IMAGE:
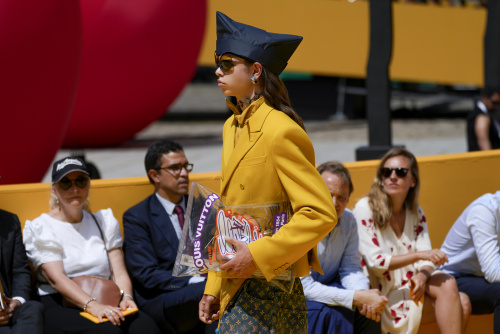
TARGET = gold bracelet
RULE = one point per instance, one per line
(87, 302)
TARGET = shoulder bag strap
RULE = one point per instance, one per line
(104, 241)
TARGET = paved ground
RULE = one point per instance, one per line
(202, 140)
(331, 139)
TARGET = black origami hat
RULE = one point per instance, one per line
(270, 49)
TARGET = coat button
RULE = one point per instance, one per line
(242, 187)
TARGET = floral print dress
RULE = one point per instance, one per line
(377, 246)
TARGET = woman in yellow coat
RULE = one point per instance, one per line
(267, 158)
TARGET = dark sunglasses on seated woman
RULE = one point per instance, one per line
(224, 62)
(400, 172)
(81, 182)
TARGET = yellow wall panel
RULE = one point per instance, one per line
(431, 43)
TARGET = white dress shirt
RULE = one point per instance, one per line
(472, 244)
(169, 208)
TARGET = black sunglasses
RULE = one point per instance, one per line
(81, 182)
(400, 172)
(224, 62)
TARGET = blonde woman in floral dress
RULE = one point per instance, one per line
(397, 253)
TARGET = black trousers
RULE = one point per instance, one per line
(27, 318)
(59, 320)
(176, 312)
(484, 297)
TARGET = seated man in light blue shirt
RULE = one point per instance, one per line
(472, 247)
(340, 300)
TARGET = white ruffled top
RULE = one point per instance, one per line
(79, 246)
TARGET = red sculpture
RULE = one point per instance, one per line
(88, 74)
(137, 58)
(39, 66)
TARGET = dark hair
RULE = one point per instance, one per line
(94, 173)
(276, 94)
(274, 91)
(155, 152)
(379, 201)
(338, 169)
(489, 91)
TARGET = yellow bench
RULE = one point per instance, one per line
(449, 184)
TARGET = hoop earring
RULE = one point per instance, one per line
(253, 80)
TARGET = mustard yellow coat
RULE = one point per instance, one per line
(274, 161)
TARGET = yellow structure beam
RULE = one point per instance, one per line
(442, 45)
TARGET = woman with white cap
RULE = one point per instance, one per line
(267, 157)
(70, 241)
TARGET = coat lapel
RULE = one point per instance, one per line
(247, 140)
(162, 221)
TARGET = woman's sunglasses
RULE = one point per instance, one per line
(224, 62)
(81, 182)
(400, 172)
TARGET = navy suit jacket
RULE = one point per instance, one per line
(15, 272)
(150, 247)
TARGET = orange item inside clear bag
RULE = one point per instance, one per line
(241, 227)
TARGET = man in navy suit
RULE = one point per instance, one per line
(152, 230)
(20, 314)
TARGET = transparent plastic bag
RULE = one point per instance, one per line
(208, 221)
